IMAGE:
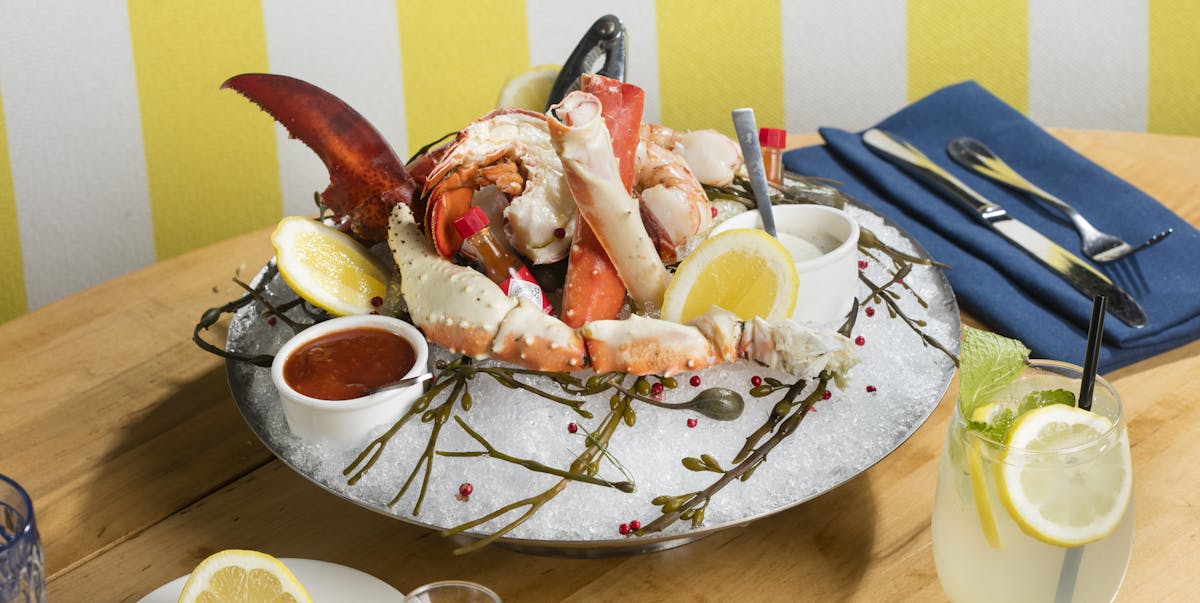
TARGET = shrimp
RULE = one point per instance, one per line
(713, 157)
(511, 149)
(673, 203)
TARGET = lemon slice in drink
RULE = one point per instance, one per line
(1067, 498)
(328, 268)
(979, 490)
(744, 271)
(236, 576)
(529, 90)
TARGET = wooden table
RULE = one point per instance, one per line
(139, 464)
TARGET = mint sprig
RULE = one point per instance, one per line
(996, 429)
(1045, 397)
(988, 363)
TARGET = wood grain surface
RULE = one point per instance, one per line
(126, 436)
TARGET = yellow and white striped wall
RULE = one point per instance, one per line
(117, 149)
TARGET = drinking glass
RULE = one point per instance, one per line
(21, 576)
(452, 591)
(981, 551)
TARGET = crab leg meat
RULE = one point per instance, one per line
(583, 144)
(641, 346)
(593, 289)
(531, 338)
(455, 306)
(465, 312)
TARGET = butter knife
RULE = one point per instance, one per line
(1075, 271)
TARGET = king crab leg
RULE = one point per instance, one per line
(582, 142)
(593, 289)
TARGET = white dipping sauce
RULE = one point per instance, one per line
(800, 248)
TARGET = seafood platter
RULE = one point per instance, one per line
(567, 405)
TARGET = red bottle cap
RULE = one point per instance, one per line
(772, 137)
(471, 222)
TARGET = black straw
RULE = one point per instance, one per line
(1092, 361)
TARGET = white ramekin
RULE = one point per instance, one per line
(346, 422)
(828, 282)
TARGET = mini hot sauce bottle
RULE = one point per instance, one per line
(773, 141)
(498, 263)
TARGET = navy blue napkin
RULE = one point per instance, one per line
(993, 279)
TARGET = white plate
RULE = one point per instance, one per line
(324, 581)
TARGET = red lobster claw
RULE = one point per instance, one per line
(365, 177)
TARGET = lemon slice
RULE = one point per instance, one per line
(529, 90)
(745, 271)
(979, 489)
(328, 268)
(236, 576)
(1070, 498)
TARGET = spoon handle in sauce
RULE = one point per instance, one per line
(407, 381)
(747, 133)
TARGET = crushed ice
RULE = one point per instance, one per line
(844, 436)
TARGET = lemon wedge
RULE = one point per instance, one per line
(745, 271)
(237, 576)
(328, 268)
(530, 89)
(1067, 498)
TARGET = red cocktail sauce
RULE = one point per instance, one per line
(344, 365)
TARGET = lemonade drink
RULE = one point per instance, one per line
(1051, 508)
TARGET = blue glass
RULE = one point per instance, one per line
(22, 578)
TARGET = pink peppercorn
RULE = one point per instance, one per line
(860, 340)
(466, 489)
(714, 212)
(862, 264)
(870, 311)
(692, 422)
(826, 395)
(756, 381)
(623, 529)
(572, 428)
(695, 380)
(870, 389)
(635, 525)
(271, 321)
(376, 301)
(656, 389)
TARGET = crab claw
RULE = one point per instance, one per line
(365, 177)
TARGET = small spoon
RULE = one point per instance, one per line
(747, 133)
(403, 383)
(715, 403)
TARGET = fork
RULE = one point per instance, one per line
(1096, 245)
